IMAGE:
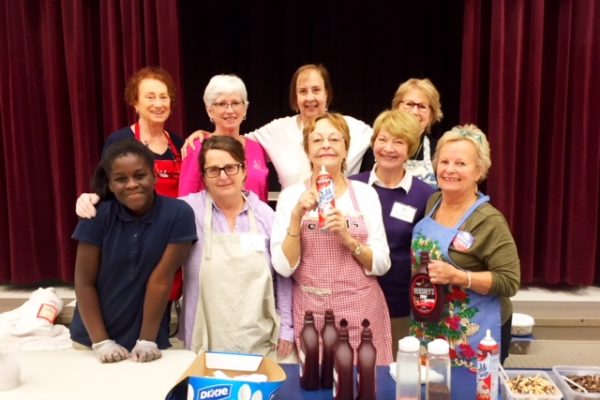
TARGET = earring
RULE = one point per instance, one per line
(244, 118)
(212, 121)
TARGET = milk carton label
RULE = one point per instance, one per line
(218, 392)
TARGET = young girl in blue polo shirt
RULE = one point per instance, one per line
(127, 257)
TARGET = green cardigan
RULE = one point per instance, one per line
(493, 250)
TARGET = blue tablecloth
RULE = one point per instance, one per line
(463, 386)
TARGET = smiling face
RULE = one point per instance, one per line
(457, 168)
(153, 102)
(132, 182)
(415, 102)
(311, 96)
(326, 146)
(390, 151)
(223, 185)
(227, 111)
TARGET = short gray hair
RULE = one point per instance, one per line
(224, 84)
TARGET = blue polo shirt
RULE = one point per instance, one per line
(131, 248)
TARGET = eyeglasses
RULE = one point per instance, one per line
(223, 105)
(318, 139)
(229, 169)
(409, 105)
(467, 134)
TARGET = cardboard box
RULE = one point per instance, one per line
(198, 382)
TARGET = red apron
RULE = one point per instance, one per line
(167, 184)
(329, 277)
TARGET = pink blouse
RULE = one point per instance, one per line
(190, 178)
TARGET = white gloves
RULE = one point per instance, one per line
(110, 351)
(145, 351)
(85, 206)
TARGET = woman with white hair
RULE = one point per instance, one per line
(471, 249)
(226, 102)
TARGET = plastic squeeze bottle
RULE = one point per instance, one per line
(328, 338)
(427, 300)
(309, 353)
(487, 368)
(343, 365)
(408, 369)
(438, 364)
(366, 362)
(326, 195)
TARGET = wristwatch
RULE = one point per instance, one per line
(358, 249)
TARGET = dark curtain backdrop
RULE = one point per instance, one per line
(368, 48)
(63, 68)
(528, 78)
(531, 79)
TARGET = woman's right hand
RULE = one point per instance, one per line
(85, 207)
(189, 142)
(308, 201)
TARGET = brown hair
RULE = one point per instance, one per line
(224, 143)
(133, 84)
(320, 68)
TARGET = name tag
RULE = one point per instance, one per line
(253, 242)
(403, 212)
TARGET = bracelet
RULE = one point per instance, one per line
(468, 280)
(291, 234)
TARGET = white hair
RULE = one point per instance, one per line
(222, 85)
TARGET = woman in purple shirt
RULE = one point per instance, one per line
(403, 197)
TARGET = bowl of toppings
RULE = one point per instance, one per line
(529, 385)
(578, 383)
(522, 324)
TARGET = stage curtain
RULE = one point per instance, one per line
(531, 81)
(63, 69)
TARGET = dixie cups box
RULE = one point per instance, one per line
(199, 382)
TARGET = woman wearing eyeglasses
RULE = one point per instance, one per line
(226, 102)
(229, 302)
(311, 93)
(420, 98)
(471, 249)
(336, 266)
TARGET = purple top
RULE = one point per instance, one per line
(402, 207)
(264, 219)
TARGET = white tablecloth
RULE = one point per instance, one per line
(78, 375)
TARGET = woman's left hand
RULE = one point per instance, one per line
(337, 224)
(441, 273)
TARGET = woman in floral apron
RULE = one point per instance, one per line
(471, 248)
(151, 92)
(334, 267)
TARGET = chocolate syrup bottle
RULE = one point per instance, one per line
(427, 300)
(309, 353)
(366, 362)
(343, 365)
(328, 337)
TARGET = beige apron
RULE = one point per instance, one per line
(236, 310)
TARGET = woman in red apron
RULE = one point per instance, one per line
(151, 92)
(471, 250)
(334, 267)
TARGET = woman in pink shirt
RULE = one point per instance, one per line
(226, 101)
